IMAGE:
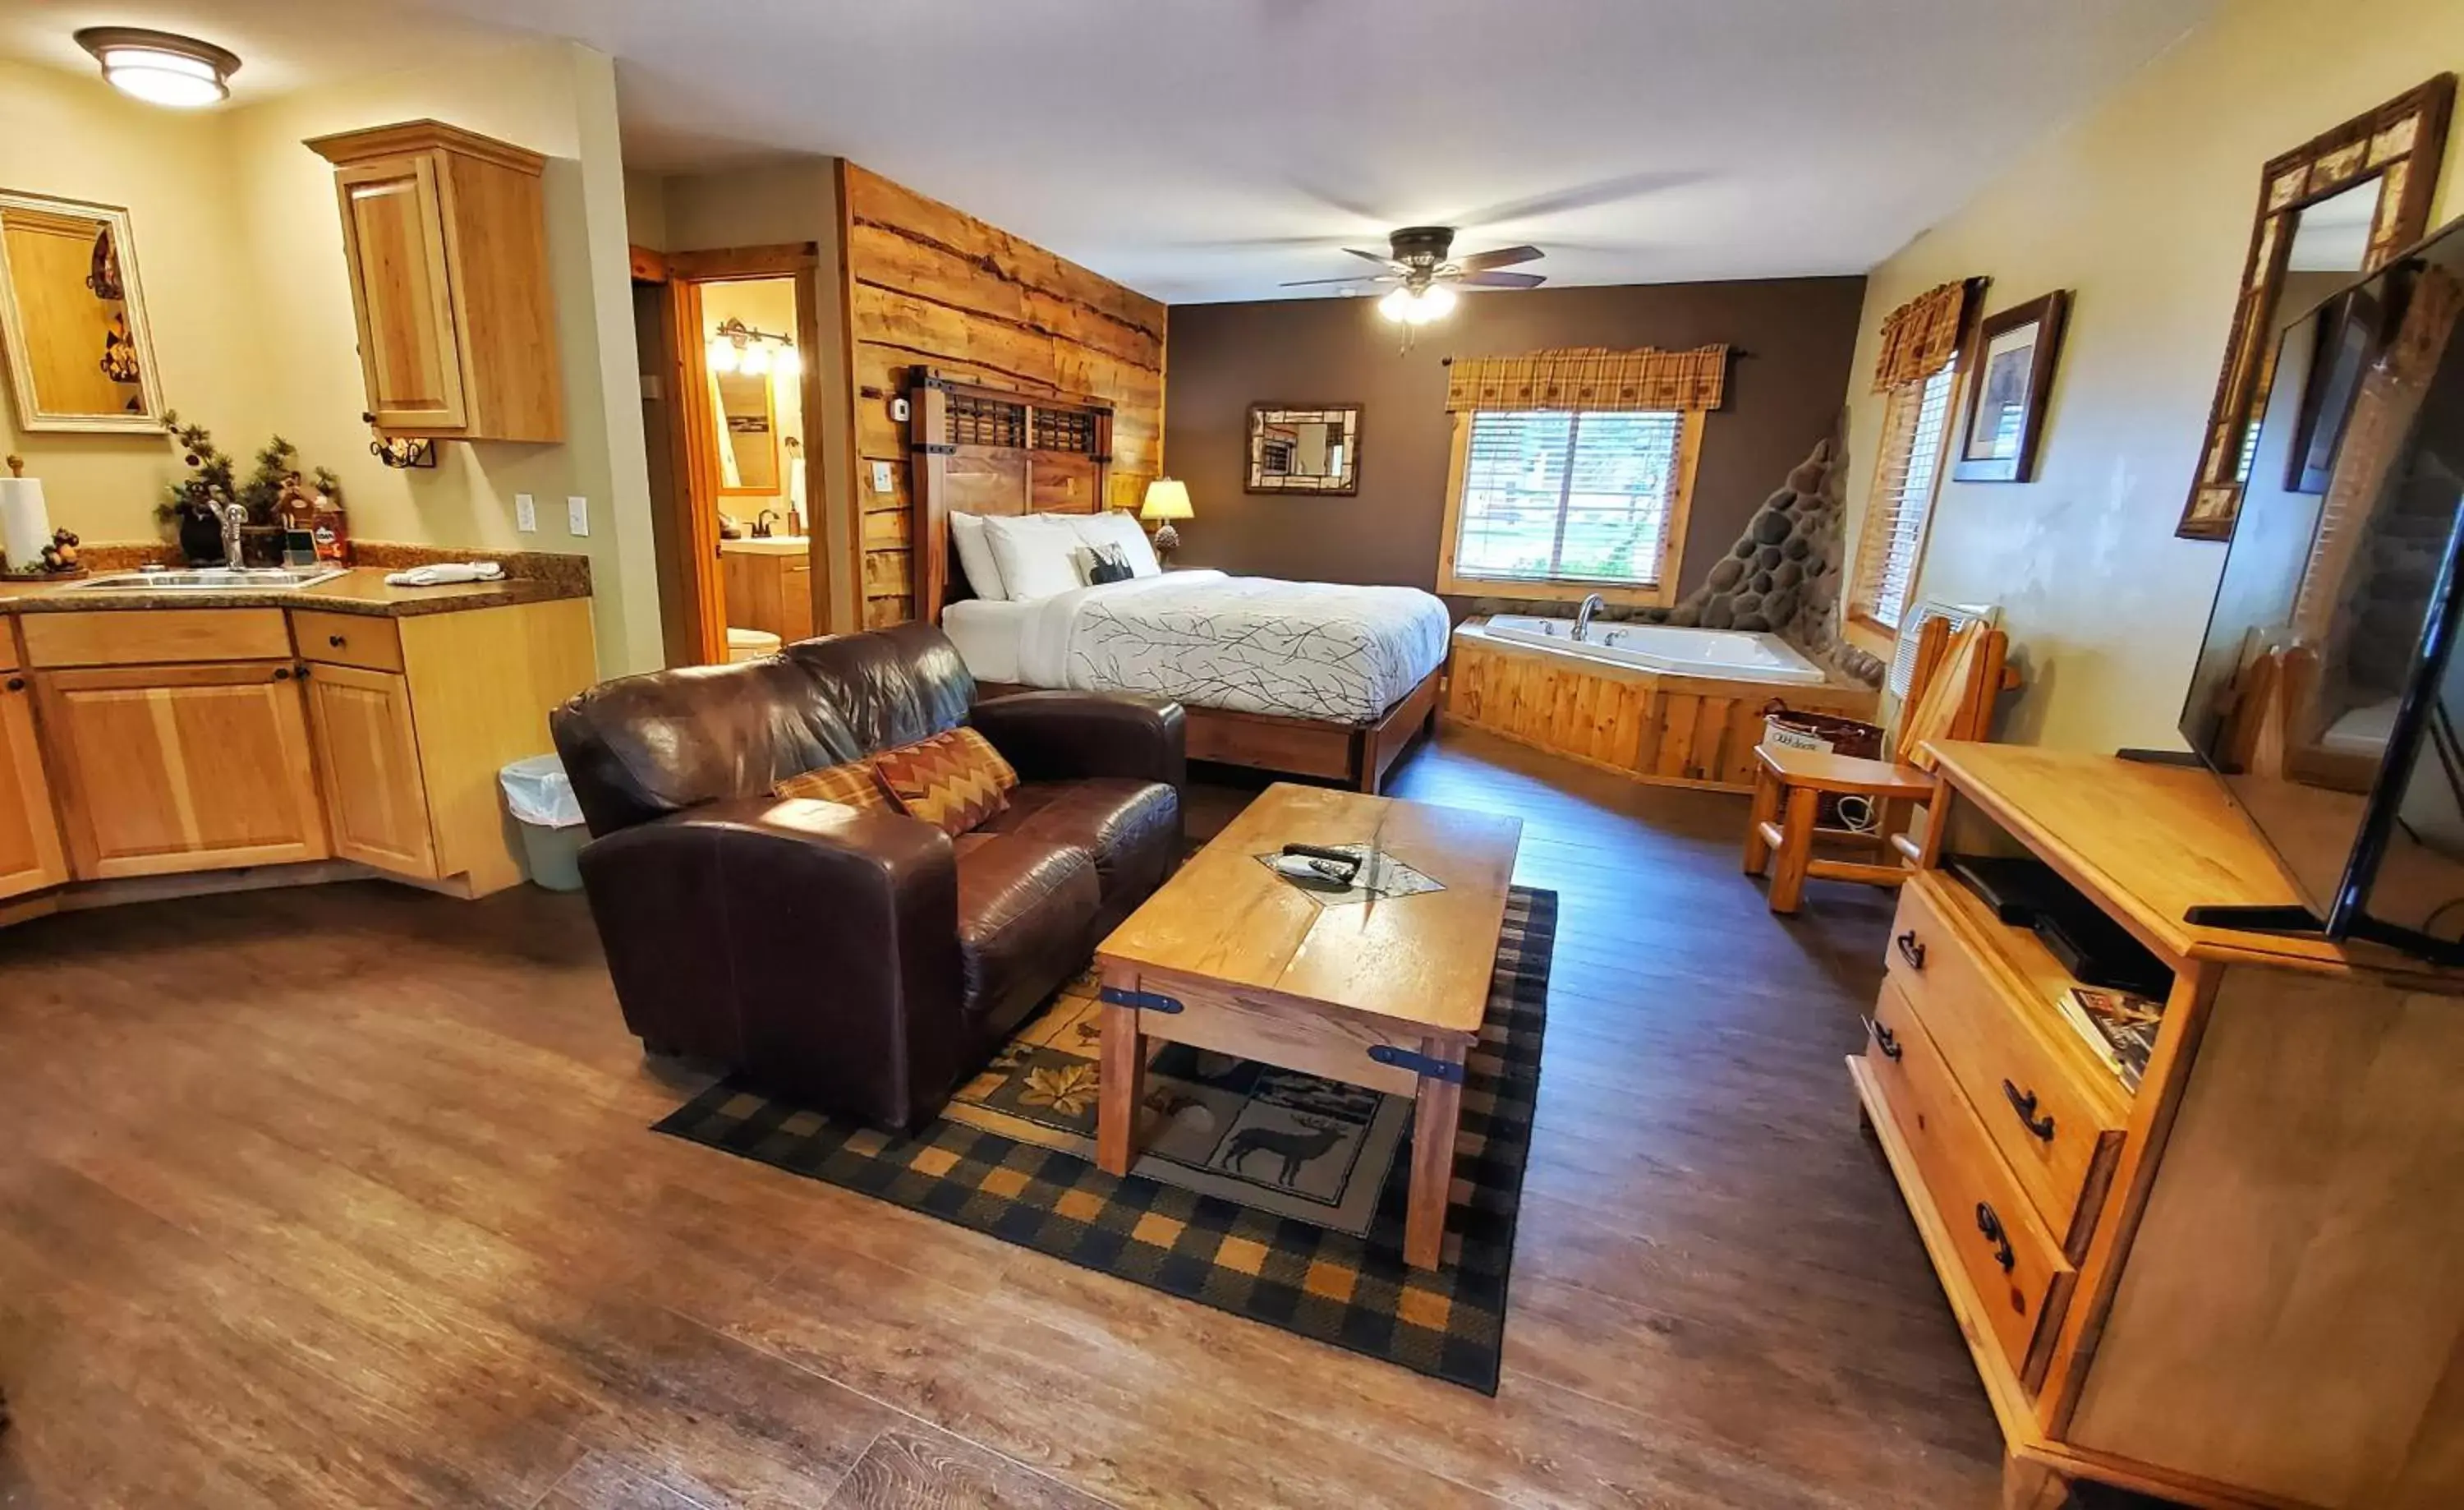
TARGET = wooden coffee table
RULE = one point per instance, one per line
(1387, 992)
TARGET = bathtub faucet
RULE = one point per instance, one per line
(1583, 615)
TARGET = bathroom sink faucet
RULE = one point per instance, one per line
(1583, 615)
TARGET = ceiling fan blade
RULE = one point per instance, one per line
(1502, 256)
(1499, 281)
(1364, 278)
(1379, 258)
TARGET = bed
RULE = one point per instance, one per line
(1306, 678)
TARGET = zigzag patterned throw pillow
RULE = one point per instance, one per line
(953, 781)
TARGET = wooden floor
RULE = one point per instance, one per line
(344, 1196)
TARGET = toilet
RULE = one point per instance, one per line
(751, 644)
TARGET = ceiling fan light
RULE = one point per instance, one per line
(1436, 302)
(1397, 306)
(161, 67)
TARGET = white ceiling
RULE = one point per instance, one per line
(1211, 149)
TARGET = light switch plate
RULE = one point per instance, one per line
(526, 513)
(881, 476)
(577, 516)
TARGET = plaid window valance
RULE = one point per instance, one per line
(1921, 335)
(1589, 379)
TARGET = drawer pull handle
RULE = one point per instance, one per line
(1991, 1225)
(283, 674)
(335, 640)
(1885, 1039)
(1910, 950)
(2024, 1103)
(16, 684)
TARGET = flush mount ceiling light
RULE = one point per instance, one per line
(160, 68)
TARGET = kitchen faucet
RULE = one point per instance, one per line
(1583, 615)
(230, 514)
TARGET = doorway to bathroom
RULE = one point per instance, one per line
(732, 399)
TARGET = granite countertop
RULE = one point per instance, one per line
(363, 589)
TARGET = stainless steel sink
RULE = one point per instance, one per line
(211, 578)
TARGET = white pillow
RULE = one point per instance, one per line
(1034, 554)
(1118, 529)
(975, 557)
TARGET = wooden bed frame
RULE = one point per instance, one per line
(1062, 464)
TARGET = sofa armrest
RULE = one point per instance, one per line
(1056, 736)
(813, 940)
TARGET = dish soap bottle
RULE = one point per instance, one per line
(333, 530)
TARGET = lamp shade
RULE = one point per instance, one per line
(1167, 497)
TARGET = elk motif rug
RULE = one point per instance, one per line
(1278, 1140)
(1007, 1161)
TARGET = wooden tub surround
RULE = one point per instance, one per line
(161, 745)
(1669, 730)
(2241, 1284)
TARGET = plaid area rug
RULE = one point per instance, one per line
(1214, 1123)
(1356, 1293)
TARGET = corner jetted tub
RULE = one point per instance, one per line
(1728, 654)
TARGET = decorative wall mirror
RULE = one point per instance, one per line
(2336, 207)
(1305, 450)
(80, 357)
(748, 434)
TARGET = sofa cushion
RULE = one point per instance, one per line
(855, 783)
(1130, 829)
(953, 781)
(1027, 912)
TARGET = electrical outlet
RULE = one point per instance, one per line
(881, 476)
(526, 513)
(576, 517)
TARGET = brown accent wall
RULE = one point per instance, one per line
(928, 284)
(1783, 397)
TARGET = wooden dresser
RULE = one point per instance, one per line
(2242, 1283)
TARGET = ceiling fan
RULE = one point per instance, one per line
(1427, 279)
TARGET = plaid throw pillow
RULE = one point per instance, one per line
(953, 781)
(853, 784)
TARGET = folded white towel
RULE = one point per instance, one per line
(446, 572)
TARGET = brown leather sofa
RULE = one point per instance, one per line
(861, 961)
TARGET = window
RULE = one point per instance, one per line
(1554, 503)
(1914, 424)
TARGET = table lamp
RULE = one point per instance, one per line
(1167, 500)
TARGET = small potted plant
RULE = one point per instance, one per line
(213, 476)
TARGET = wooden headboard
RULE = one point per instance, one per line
(978, 450)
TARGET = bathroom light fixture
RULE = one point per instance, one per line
(160, 68)
(736, 347)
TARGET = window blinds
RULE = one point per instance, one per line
(1914, 421)
(1553, 496)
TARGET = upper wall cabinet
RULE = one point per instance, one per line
(446, 234)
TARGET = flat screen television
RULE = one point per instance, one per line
(2327, 693)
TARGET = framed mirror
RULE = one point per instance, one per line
(1305, 448)
(748, 434)
(80, 357)
(2334, 208)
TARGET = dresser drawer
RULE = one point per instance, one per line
(2058, 1122)
(2009, 1259)
(346, 639)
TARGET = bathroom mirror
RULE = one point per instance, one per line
(1313, 449)
(2334, 208)
(80, 357)
(748, 434)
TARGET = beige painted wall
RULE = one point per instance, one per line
(2143, 209)
(240, 248)
(75, 137)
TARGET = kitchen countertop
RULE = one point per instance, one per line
(363, 589)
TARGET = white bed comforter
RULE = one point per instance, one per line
(1308, 650)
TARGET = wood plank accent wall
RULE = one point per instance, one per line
(1673, 731)
(931, 285)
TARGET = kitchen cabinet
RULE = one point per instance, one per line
(367, 765)
(445, 238)
(30, 858)
(167, 768)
